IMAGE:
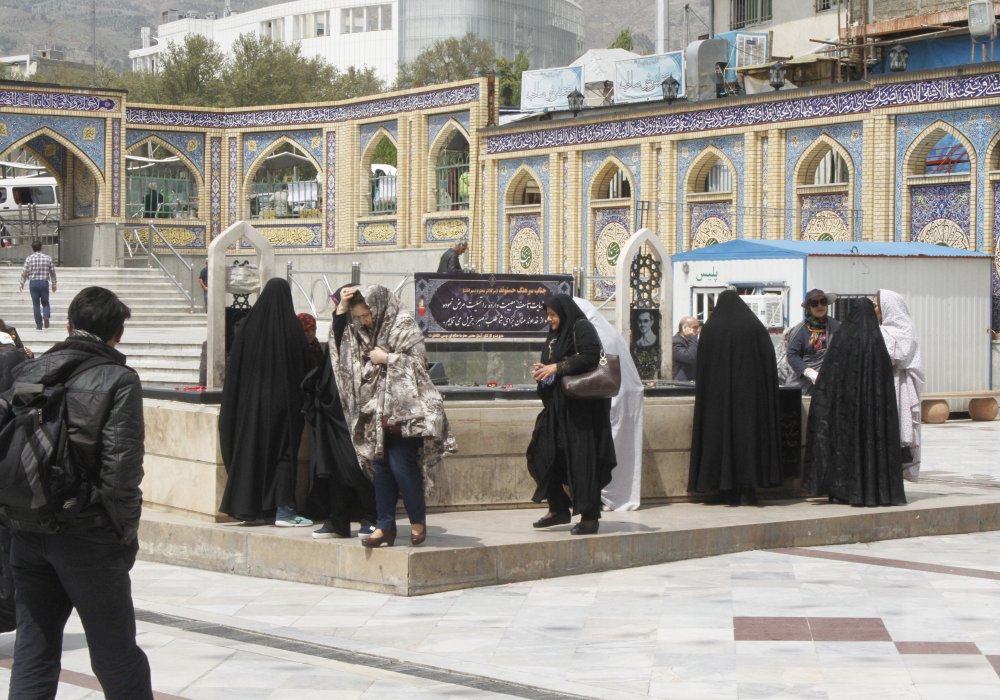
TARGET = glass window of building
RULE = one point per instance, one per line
(719, 179)
(832, 170)
(159, 184)
(284, 185)
(946, 157)
(386, 13)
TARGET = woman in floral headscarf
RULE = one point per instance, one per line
(900, 336)
(393, 411)
(807, 346)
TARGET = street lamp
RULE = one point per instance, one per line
(670, 87)
(777, 74)
(899, 55)
(575, 100)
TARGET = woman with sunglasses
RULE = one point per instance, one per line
(807, 346)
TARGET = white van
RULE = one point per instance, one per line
(18, 194)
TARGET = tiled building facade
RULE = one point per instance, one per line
(850, 162)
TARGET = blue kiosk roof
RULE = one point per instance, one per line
(756, 249)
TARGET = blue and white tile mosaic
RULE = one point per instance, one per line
(612, 227)
(234, 179)
(116, 167)
(215, 195)
(57, 100)
(764, 183)
(996, 257)
(368, 132)
(849, 136)
(84, 133)
(744, 115)
(825, 217)
(527, 251)
(979, 126)
(941, 214)
(85, 193)
(593, 163)
(189, 144)
(51, 152)
(539, 168)
(257, 144)
(331, 188)
(688, 152)
(302, 115)
(711, 223)
(436, 122)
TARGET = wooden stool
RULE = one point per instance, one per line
(983, 409)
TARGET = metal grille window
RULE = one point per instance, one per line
(832, 170)
(824, 5)
(719, 179)
(453, 180)
(743, 13)
(383, 189)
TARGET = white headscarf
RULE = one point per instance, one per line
(623, 493)
(901, 341)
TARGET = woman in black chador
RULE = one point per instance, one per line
(572, 443)
(260, 421)
(852, 445)
(735, 444)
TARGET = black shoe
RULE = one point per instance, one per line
(46, 322)
(554, 519)
(586, 527)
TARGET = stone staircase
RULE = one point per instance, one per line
(162, 340)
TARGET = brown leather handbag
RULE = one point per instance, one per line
(603, 382)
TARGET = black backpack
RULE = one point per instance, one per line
(39, 486)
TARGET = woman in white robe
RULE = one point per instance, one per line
(623, 493)
(901, 341)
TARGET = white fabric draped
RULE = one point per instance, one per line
(901, 341)
(624, 491)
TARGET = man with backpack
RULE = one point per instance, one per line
(72, 502)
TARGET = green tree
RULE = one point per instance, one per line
(624, 40)
(448, 60)
(263, 71)
(509, 78)
(356, 82)
(190, 73)
(384, 153)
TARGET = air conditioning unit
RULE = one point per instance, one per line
(769, 308)
(982, 21)
(751, 50)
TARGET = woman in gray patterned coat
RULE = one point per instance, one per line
(393, 410)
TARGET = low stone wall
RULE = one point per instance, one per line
(185, 474)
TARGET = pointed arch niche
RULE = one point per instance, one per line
(283, 183)
(939, 201)
(524, 236)
(611, 215)
(710, 200)
(79, 180)
(993, 216)
(449, 175)
(162, 183)
(824, 178)
(377, 192)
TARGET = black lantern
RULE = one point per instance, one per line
(670, 87)
(575, 100)
(777, 74)
(899, 56)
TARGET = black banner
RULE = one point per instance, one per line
(485, 307)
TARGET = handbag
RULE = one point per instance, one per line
(602, 382)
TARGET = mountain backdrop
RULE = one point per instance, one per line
(31, 25)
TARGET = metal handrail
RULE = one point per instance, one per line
(151, 255)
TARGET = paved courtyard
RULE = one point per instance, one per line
(915, 618)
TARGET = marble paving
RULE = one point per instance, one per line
(906, 618)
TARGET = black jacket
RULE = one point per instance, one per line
(685, 358)
(106, 430)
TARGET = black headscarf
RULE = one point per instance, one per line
(260, 421)
(735, 444)
(572, 438)
(852, 441)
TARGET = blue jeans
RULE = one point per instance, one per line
(397, 472)
(88, 571)
(39, 300)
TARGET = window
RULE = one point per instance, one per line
(719, 179)
(372, 23)
(158, 184)
(947, 156)
(743, 13)
(321, 19)
(3, 195)
(452, 173)
(386, 12)
(34, 195)
(284, 185)
(382, 180)
(832, 170)
(824, 5)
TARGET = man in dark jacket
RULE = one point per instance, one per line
(86, 564)
(685, 353)
(451, 262)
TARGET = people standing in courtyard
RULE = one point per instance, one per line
(38, 272)
(85, 564)
(625, 490)
(572, 451)
(900, 336)
(685, 350)
(735, 443)
(393, 411)
(260, 421)
(451, 259)
(807, 347)
(853, 453)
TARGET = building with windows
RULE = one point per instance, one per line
(794, 23)
(382, 34)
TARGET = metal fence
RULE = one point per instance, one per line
(18, 229)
